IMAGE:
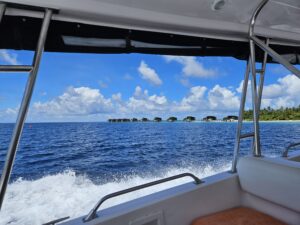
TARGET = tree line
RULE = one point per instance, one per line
(275, 114)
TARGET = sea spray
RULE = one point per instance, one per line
(31, 202)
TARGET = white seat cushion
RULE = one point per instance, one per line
(276, 180)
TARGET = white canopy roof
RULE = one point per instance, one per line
(218, 19)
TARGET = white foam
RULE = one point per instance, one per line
(66, 194)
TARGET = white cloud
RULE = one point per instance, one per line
(217, 99)
(272, 91)
(191, 66)
(284, 93)
(149, 74)
(194, 101)
(117, 97)
(222, 98)
(8, 57)
(84, 102)
(75, 101)
(9, 114)
(142, 102)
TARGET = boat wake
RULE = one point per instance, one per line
(31, 202)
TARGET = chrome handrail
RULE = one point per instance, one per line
(93, 213)
(13, 146)
(53, 222)
(285, 152)
(265, 47)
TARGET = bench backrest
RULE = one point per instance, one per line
(276, 180)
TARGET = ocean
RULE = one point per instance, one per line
(63, 169)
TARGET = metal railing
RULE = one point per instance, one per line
(286, 151)
(53, 222)
(265, 47)
(93, 213)
(33, 69)
(256, 96)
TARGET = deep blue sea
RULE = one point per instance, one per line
(62, 169)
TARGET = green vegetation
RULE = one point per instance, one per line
(275, 114)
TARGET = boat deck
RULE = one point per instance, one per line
(238, 216)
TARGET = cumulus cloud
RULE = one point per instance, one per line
(191, 66)
(8, 57)
(223, 98)
(149, 74)
(284, 93)
(142, 102)
(75, 101)
(81, 102)
(9, 114)
(194, 101)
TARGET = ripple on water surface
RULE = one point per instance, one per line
(61, 167)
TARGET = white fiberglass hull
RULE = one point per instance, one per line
(253, 187)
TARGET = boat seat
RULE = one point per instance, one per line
(237, 216)
(276, 180)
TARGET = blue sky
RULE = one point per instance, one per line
(91, 87)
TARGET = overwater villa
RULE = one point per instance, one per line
(157, 119)
(209, 118)
(119, 120)
(145, 119)
(172, 119)
(189, 118)
(134, 120)
(230, 118)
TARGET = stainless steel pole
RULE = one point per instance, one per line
(264, 46)
(15, 68)
(262, 76)
(257, 151)
(240, 120)
(256, 143)
(11, 153)
(276, 56)
(2, 10)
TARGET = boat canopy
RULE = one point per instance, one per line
(189, 27)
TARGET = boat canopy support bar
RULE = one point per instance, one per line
(240, 119)
(264, 46)
(256, 92)
(93, 213)
(15, 68)
(11, 153)
(276, 56)
(2, 10)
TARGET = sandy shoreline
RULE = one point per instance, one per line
(250, 121)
